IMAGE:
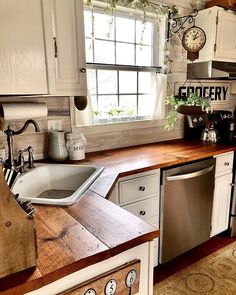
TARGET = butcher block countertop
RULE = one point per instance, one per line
(94, 229)
(131, 160)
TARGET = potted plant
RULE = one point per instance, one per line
(193, 104)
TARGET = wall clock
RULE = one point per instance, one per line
(193, 41)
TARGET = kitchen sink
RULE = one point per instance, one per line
(55, 184)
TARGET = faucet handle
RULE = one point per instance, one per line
(30, 157)
(21, 161)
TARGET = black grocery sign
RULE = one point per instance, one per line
(218, 92)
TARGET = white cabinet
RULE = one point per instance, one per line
(222, 193)
(221, 204)
(140, 195)
(64, 35)
(142, 252)
(220, 28)
(42, 47)
(22, 54)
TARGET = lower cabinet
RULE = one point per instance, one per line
(140, 195)
(221, 204)
(130, 272)
(222, 193)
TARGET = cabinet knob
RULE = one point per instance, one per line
(142, 212)
(142, 188)
(226, 163)
(83, 70)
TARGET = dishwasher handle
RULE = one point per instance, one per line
(190, 175)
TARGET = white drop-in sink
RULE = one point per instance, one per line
(55, 184)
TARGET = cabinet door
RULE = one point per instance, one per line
(64, 30)
(221, 204)
(22, 55)
(226, 35)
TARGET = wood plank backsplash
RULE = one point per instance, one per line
(58, 108)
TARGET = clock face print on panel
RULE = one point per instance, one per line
(194, 39)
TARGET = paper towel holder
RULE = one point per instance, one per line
(80, 102)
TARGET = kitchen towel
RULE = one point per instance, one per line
(21, 110)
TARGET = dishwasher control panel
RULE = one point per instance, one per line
(121, 280)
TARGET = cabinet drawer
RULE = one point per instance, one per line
(146, 209)
(135, 189)
(224, 163)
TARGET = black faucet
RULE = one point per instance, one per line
(10, 163)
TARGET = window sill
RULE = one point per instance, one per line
(119, 126)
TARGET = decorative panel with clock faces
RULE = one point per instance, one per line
(121, 280)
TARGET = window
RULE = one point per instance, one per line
(120, 66)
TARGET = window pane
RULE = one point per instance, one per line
(127, 82)
(107, 102)
(144, 55)
(107, 82)
(94, 102)
(125, 29)
(88, 23)
(129, 105)
(89, 50)
(104, 52)
(145, 105)
(124, 54)
(145, 82)
(91, 75)
(103, 26)
(144, 33)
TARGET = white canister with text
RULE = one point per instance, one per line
(75, 144)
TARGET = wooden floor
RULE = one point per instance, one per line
(161, 272)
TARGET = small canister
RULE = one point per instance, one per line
(75, 144)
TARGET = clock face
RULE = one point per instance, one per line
(90, 292)
(194, 39)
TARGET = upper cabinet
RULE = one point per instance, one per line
(22, 54)
(220, 28)
(42, 47)
(64, 36)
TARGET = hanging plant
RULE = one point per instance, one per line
(192, 104)
(141, 5)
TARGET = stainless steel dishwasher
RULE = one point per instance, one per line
(186, 207)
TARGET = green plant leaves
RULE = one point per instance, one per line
(193, 99)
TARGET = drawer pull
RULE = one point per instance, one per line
(142, 188)
(226, 163)
(142, 212)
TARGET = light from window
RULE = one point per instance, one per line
(118, 49)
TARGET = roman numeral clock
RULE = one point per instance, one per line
(193, 40)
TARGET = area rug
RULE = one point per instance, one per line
(214, 274)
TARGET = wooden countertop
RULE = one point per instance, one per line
(94, 229)
(131, 160)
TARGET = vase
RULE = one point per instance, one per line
(57, 146)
